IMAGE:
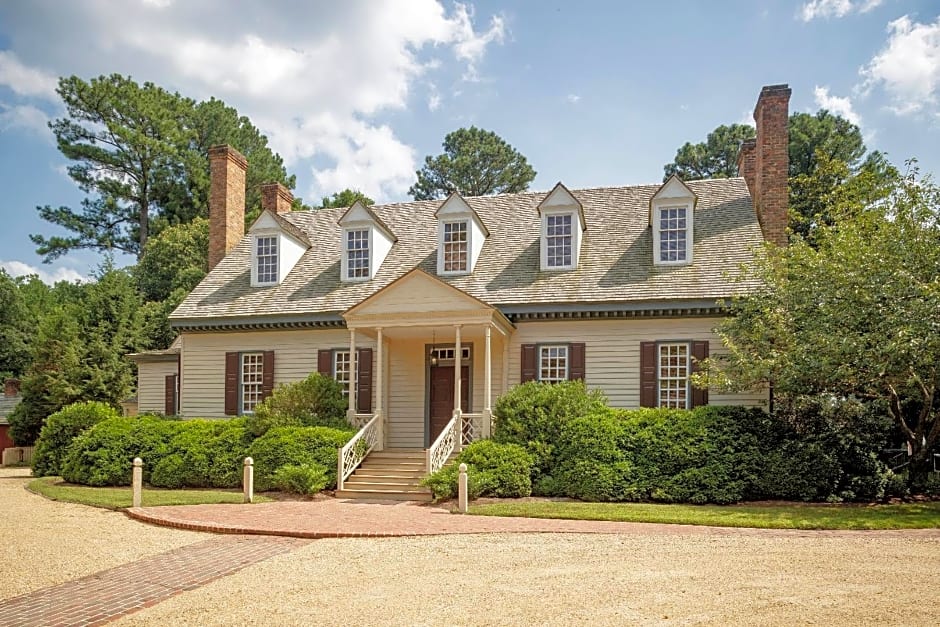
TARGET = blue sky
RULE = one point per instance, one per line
(355, 94)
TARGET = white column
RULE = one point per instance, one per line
(458, 351)
(505, 364)
(353, 364)
(487, 372)
(380, 363)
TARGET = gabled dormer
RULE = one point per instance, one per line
(562, 230)
(672, 209)
(365, 243)
(276, 247)
(460, 236)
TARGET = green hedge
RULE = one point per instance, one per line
(61, 428)
(493, 469)
(317, 401)
(296, 446)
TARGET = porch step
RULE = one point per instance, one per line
(393, 475)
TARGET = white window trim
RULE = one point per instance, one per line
(575, 240)
(567, 373)
(440, 247)
(336, 353)
(688, 372)
(241, 381)
(689, 231)
(344, 269)
(254, 258)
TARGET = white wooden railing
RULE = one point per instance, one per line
(350, 456)
(471, 428)
(445, 444)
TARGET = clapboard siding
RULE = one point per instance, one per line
(295, 357)
(612, 352)
(151, 385)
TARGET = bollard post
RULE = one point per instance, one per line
(248, 480)
(462, 489)
(137, 480)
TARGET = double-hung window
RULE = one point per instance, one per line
(673, 374)
(553, 363)
(673, 234)
(357, 254)
(251, 378)
(558, 240)
(266, 259)
(341, 368)
(456, 246)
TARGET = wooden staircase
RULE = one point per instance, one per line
(391, 475)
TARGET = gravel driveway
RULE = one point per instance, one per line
(497, 579)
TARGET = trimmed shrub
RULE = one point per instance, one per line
(493, 469)
(306, 479)
(296, 446)
(317, 401)
(61, 428)
(532, 415)
(210, 453)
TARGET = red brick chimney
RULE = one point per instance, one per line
(767, 181)
(11, 387)
(276, 198)
(227, 168)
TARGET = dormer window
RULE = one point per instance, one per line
(456, 246)
(558, 241)
(563, 228)
(357, 254)
(671, 217)
(266, 259)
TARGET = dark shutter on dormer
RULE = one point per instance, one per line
(325, 363)
(231, 384)
(267, 374)
(699, 352)
(529, 370)
(576, 361)
(648, 374)
(364, 385)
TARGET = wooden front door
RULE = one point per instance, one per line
(441, 397)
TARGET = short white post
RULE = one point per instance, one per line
(137, 481)
(248, 480)
(462, 489)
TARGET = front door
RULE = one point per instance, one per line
(441, 401)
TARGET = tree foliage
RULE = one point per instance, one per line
(14, 328)
(716, 157)
(475, 162)
(857, 314)
(345, 198)
(141, 154)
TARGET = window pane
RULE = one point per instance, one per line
(251, 381)
(266, 255)
(455, 246)
(558, 241)
(672, 234)
(341, 370)
(553, 363)
(357, 254)
(674, 375)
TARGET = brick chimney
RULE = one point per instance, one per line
(227, 168)
(11, 387)
(765, 167)
(276, 198)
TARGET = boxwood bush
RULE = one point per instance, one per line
(61, 428)
(317, 401)
(296, 446)
(493, 469)
(204, 453)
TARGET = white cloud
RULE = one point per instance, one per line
(25, 117)
(434, 98)
(835, 104)
(316, 84)
(25, 80)
(573, 98)
(835, 8)
(53, 275)
(908, 68)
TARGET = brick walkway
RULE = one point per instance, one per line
(109, 594)
(340, 518)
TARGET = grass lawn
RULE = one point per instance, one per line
(767, 516)
(114, 498)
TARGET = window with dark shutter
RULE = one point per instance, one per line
(529, 363)
(231, 384)
(267, 374)
(699, 352)
(325, 362)
(576, 361)
(648, 374)
(364, 381)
